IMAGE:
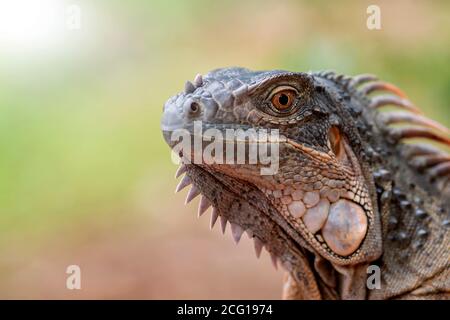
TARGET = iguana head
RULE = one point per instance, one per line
(286, 157)
(320, 191)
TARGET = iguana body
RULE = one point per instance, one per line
(349, 191)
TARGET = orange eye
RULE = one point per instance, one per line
(283, 100)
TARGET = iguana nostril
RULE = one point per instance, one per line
(194, 108)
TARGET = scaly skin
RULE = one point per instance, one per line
(349, 191)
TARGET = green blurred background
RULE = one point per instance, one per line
(85, 177)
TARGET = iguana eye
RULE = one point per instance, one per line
(283, 98)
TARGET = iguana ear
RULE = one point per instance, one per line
(341, 148)
(335, 143)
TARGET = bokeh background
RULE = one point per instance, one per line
(85, 177)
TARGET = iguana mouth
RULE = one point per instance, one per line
(212, 185)
(335, 222)
(239, 224)
(326, 230)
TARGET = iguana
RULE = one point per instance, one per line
(358, 184)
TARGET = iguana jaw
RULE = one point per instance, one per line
(305, 215)
(246, 209)
(227, 189)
